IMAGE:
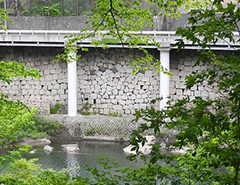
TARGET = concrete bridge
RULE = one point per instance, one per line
(56, 39)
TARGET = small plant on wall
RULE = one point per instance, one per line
(85, 109)
(114, 114)
(57, 108)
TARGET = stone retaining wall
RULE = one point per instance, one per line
(181, 65)
(52, 87)
(105, 79)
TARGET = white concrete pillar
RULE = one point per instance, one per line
(164, 78)
(72, 85)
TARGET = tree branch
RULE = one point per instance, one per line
(115, 23)
(95, 30)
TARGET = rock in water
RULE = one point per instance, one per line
(145, 149)
(45, 141)
(48, 148)
(70, 147)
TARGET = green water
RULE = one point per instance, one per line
(59, 159)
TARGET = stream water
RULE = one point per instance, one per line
(59, 159)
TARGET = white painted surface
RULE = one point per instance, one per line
(164, 78)
(72, 86)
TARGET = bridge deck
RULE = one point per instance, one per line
(57, 38)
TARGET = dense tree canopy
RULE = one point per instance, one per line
(208, 129)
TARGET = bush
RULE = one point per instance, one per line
(41, 128)
(26, 172)
(85, 109)
(58, 107)
(50, 127)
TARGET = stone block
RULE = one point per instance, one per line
(197, 93)
(60, 91)
(127, 112)
(115, 92)
(142, 106)
(46, 72)
(56, 87)
(25, 91)
(136, 106)
(148, 73)
(63, 97)
(52, 71)
(53, 92)
(57, 98)
(145, 79)
(186, 92)
(179, 92)
(106, 111)
(42, 92)
(94, 96)
(144, 96)
(100, 111)
(63, 86)
(205, 94)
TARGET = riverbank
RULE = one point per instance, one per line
(94, 127)
(100, 127)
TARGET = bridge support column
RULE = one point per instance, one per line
(72, 85)
(164, 78)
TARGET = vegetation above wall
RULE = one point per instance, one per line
(49, 7)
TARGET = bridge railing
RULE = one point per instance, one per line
(69, 32)
(57, 38)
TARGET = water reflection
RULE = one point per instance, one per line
(87, 154)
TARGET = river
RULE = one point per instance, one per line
(88, 152)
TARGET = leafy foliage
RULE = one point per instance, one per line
(10, 70)
(86, 108)
(14, 115)
(56, 108)
(4, 17)
(120, 22)
(52, 10)
(26, 172)
(41, 128)
(208, 128)
(212, 24)
(43, 8)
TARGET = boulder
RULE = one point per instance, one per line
(48, 148)
(145, 149)
(33, 151)
(44, 141)
(36, 142)
(70, 147)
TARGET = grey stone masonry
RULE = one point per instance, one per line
(105, 79)
(36, 93)
(182, 64)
